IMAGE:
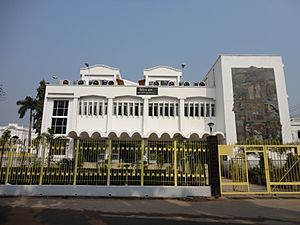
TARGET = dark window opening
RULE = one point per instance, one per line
(172, 109)
(207, 110)
(177, 109)
(213, 110)
(130, 109)
(161, 109)
(95, 108)
(155, 109)
(202, 110)
(185, 109)
(191, 110)
(125, 109)
(136, 109)
(150, 109)
(101, 109)
(167, 109)
(120, 109)
(59, 125)
(197, 109)
(60, 108)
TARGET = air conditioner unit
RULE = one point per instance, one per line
(171, 83)
(81, 82)
(186, 83)
(95, 82)
(111, 82)
(103, 82)
(64, 82)
(202, 83)
(164, 82)
(156, 83)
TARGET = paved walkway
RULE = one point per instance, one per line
(90, 211)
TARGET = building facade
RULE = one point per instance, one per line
(295, 130)
(242, 97)
(17, 132)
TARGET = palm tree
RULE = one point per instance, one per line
(27, 104)
(49, 136)
(4, 138)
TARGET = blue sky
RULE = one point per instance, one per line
(44, 38)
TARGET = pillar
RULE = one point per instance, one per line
(213, 165)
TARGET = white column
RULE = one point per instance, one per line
(72, 116)
(145, 117)
(109, 114)
(181, 115)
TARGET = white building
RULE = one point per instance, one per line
(295, 129)
(17, 132)
(244, 96)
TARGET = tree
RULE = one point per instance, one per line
(39, 105)
(2, 92)
(49, 135)
(27, 104)
(4, 139)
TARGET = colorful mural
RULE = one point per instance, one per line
(255, 105)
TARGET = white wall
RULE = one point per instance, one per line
(219, 89)
(295, 128)
(214, 77)
(224, 94)
(162, 73)
(118, 124)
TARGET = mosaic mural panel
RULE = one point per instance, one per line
(255, 105)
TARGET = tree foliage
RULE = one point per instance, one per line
(39, 104)
(28, 104)
(2, 92)
(4, 139)
(6, 135)
(49, 135)
(35, 108)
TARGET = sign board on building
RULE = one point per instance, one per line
(147, 91)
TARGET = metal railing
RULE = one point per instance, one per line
(259, 169)
(106, 162)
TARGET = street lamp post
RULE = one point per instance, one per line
(211, 125)
(55, 78)
(182, 66)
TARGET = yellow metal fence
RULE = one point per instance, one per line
(106, 162)
(259, 169)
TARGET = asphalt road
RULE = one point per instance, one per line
(90, 211)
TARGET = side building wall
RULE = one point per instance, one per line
(257, 111)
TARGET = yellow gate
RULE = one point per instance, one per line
(259, 169)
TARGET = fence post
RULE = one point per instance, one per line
(76, 162)
(9, 162)
(175, 162)
(213, 165)
(42, 162)
(109, 146)
(142, 161)
(267, 170)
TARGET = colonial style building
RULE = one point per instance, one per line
(17, 132)
(242, 98)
